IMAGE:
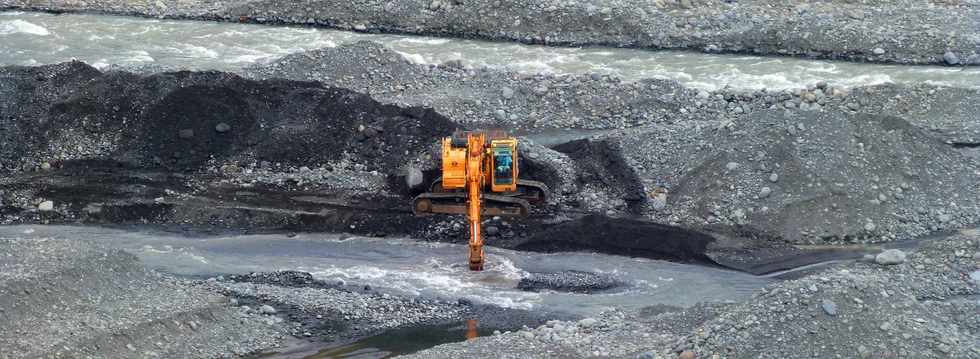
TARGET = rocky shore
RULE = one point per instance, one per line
(905, 32)
(64, 298)
(918, 306)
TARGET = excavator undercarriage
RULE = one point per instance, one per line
(480, 178)
(518, 203)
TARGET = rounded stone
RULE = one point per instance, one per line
(765, 192)
(267, 309)
(890, 257)
(222, 127)
(492, 230)
(413, 177)
(950, 58)
(870, 227)
(46, 206)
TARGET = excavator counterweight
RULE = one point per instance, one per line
(479, 178)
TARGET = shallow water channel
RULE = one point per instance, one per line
(405, 267)
(40, 38)
(409, 268)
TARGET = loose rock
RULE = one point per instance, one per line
(222, 127)
(46, 206)
(890, 257)
(829, 307)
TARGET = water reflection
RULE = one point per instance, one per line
(388, 344)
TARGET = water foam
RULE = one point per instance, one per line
(22, 27)
(138, 56)
(436, 279)
(414, 58)
(198, 51)
(423, 41)
(248, 59)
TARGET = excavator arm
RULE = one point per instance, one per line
(474, 184)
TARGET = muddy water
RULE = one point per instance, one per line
(37, 38)
(408, 268)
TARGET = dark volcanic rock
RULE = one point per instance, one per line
(286, 278)
(622, 236)
(569, 281)
(184, 120)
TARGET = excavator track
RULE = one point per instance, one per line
(533, 192)
(455, 203)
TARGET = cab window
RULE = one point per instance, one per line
(503, 162)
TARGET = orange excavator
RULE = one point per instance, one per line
(480, 178)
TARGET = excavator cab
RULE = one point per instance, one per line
(479, 178)
(504, 165)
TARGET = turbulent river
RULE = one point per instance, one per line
(410, 268)
(40, 38)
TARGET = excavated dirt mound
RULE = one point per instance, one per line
(185, 120)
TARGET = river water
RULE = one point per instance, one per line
(406, 267)
(40, 38)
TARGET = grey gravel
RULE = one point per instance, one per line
(71, 298)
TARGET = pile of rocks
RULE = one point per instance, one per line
(68, 297)
(806, 177)
(890, 307)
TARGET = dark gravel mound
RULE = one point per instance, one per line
(286, 278)
(602, 168)
(623, 236)
(186, 120)
(569, 281)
